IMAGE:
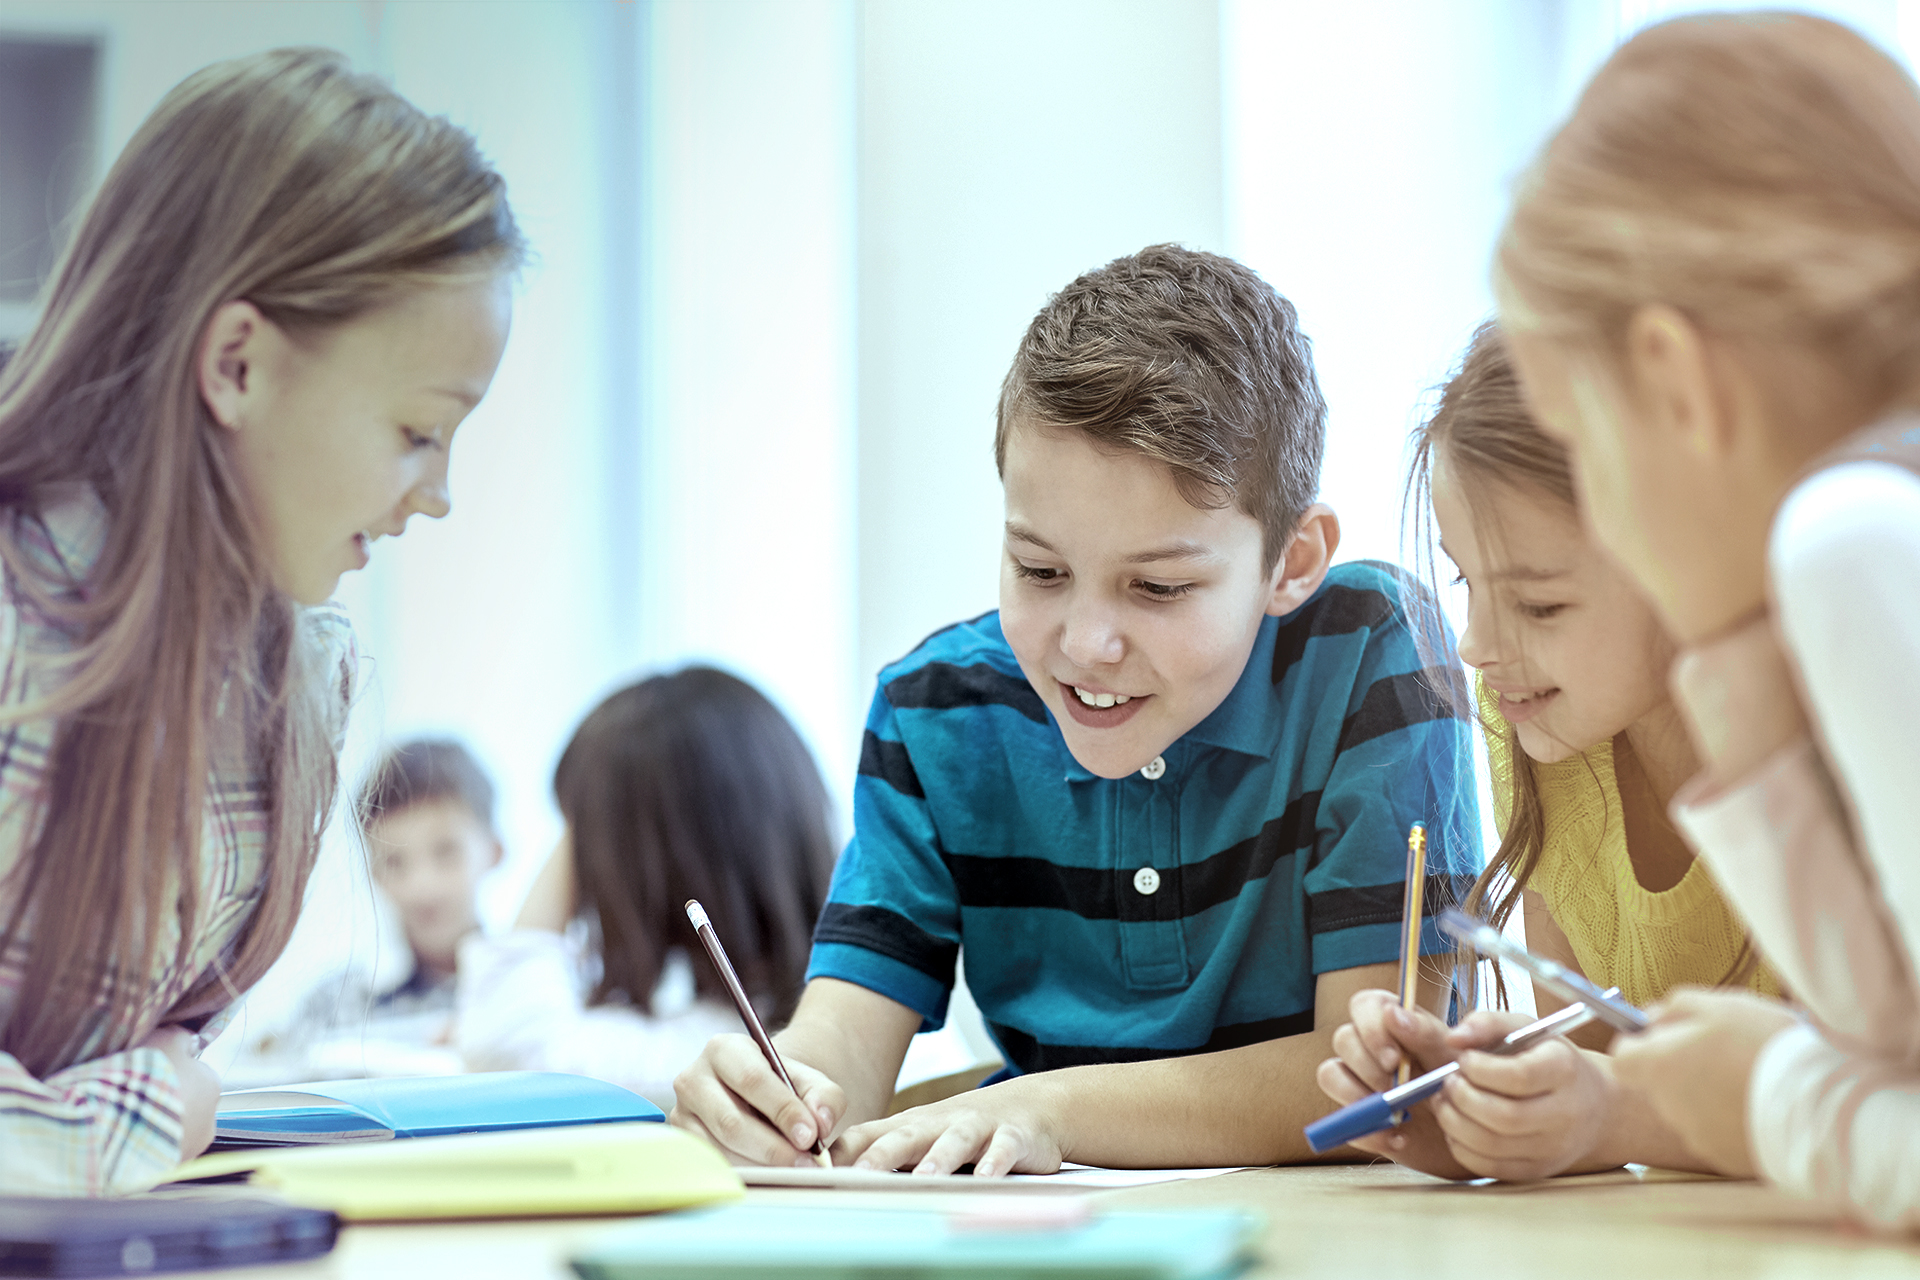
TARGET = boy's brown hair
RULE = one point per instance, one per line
(421, 772)
(1191, 359)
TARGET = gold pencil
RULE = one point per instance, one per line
(1412, 909)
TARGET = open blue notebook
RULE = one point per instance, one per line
(747, 1242)
(420, 1107)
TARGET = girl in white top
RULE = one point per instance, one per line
(1710, 281)
(689, 785)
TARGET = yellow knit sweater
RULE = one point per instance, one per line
(1623, 935)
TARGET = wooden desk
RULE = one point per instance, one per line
(1347, 1221)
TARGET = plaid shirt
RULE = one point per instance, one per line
(111, 1122)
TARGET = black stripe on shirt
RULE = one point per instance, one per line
(890, 934)
(889, 762)
(1030, 1054)
(942, 686)
(1341, 611)
(1393, 703)
(1106, 893)
(1334, 909)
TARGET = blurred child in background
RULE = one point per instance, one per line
(689, 785)
(426, 814)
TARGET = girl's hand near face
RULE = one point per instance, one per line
(1370, 1050)
(554, 898)
(199, 1086)
(1533, 1115)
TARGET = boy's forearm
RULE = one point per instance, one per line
(854, 1037)
(1236, 1107)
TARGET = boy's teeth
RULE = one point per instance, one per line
(1101, 699)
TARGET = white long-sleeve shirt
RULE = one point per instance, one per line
(1817, 848)
(521, 1007)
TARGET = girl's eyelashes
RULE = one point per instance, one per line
(418, 440)
(1539, 612)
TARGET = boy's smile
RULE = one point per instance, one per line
(1131, 611)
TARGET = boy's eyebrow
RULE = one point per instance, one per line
(1019, 531)
(1179, 549)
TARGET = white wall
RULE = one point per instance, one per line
(746, 480)
(1005, 147)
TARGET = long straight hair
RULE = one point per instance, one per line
(316, 194)
(1482, 427)
(1491, 443)
(693, 785)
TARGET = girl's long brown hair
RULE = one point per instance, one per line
(315, 193)
(1483, 428)
(693, 785)
(1490, 441)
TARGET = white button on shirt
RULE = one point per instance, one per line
(1153, 771)
(1146, 881)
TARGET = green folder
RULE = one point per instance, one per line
(744, 1241)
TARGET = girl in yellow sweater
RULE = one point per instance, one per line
(1587, 750)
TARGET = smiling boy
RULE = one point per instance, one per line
(1160, 797)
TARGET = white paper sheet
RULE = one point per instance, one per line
(1072, 1177)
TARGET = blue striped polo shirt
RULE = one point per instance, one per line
(1276, 834)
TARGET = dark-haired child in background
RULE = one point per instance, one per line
(689, 785)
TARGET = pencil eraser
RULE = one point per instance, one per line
(1355, 1120)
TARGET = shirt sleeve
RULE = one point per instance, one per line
(1829, 1126)
(1833, 1116)
(1404, 755)
(891, 923)
(106, 1127)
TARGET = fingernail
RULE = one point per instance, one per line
(802, 1135)
(862, 1164)
(805, 1162)
(1401, 1019)
(924, 1167)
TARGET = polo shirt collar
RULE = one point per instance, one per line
(1243, 721)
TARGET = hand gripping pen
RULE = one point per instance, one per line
(1385, 1110)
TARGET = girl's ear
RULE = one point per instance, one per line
(230, 354)
(1674, 375)
(1303, 565)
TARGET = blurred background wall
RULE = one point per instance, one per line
(784, 249)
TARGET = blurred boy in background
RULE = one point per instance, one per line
(426, 813)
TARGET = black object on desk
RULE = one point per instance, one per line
(162, 1231)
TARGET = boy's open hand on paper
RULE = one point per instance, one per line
(1006, 1128)
(732, 1098)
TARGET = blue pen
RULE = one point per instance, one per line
(1385, 1110)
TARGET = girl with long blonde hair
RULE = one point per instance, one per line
(1586, 748)
(1711, 284)
(249, 365)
